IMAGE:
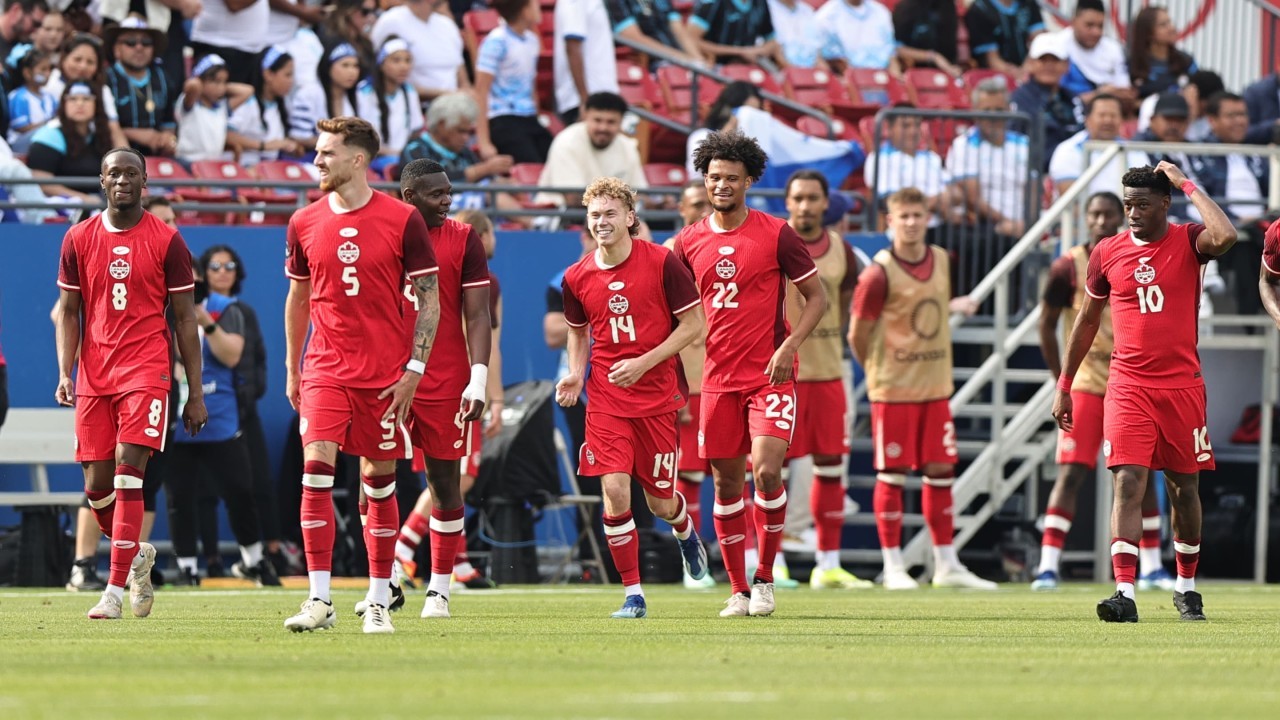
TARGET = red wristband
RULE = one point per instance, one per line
(1064, 383)
(1188, 187)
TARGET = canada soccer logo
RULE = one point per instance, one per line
(119, 269)
(619, 304)
(348, 252)
(1145, 274)
(726, 269)
(591, 457)
(893, 450)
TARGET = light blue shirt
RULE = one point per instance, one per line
(861, 36)
(512, 60)
(28, 108)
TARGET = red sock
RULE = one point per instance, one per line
(1186, 554)
(692, 492)
(826, 502)
(730, 523)
(103, 505)
(411, 533)
(362, 507)
(1124, 560)
(935, 501)
(749, 508)
(771, 518)
(126, 522)
(1057, 523)
(384, 520)
(681, 523)
(624, 546)
(887, 503)
(446, 532)
(461, 556)
(317, 515)
(1150, 529)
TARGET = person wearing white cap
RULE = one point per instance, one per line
(203, 110)
(1042, 95)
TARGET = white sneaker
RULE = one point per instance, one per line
(706, 583)
(108, 608)
(141, 592)
(315, 614)
(437, 605)
(761, 600)
(899, 580)
(960, 577)
(738, 605)
(377, 621)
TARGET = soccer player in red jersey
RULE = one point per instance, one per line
(118, 272)
(1269, 280)
(1155, 403)
(1078, 449)
(347, 258)
(742, 260)
(631, 307)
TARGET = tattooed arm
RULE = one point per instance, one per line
(426, 287)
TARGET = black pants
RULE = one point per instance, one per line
(242, 67)
(264, 482)
(520, 136)
(224, 465)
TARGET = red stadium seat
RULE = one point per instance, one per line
(526, 173)
(874, 87)
(936, 89)
(753, 75)
(551, 122)
(476, 24)
(813, 126)
(810, 86)
(677, 90)
(637, 87)
(228, 170)
(665, 175)
(971, 78)
(160, 169)
(287, 170)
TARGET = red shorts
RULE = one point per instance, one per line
(136, 417)
(731, 420)
(644, 448)
(1157, 428)
(475, 442)
(822, 419)
(1080, 446)
(436, 428)
(912, 435)
(689, 461)
(352, 417)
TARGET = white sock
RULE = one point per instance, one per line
(944, 556)
(893, 559)
(463, 569)
(1148, 560)
(403, 552)
(379, 591)
(395, 572)
(633, 590)
(1126, 589)
(827, 559)
(319, 584)
(188, 563)
(440, 583)
(1050, 559)
(118, 592)
(251, 554)
(1183, 585)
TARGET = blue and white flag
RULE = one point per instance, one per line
(790, 150)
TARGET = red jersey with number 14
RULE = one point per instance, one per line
(124, 278)
(356, 262)
(631, 308)
(1154, 290)
(742, 275)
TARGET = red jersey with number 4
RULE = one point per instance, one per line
(124, 278)
(742, 276)
(460, 254)
(1154, 290)
(631, 308)
(356, 262)
(1271, 248)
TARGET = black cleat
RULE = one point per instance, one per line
(1190, 605)
(1118, 608)
(397, 598)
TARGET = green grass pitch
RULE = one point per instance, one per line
(554, 653)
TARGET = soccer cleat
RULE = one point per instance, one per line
(397, 601)
(1045, 581)
(633, 607)
(837, 579)
(143, 593)
(782, 577)
(706, 583)
(405, 571)
(1190, 605)
(1118, 608)
(694, 556)
(377, 621)
(738, 605)
(960, 577)
(84, 577)
(263, 574)
(316, 614)
(437, 605)
(1158, 579)
(899, 580)
(762, 603)
(108, 608)
(474, 580)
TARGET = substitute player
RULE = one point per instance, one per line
(741, 260)
(117, 273)
(1078, 449)
(1155, 404)
(640, 307)
(900, 334)
(347, 257)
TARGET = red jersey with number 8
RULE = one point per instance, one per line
(1154, 290)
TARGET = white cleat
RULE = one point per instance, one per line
(738, 605)
(315, 614)
(762, 603)
(141, 592)
(377, 621)
(437, 605)
(706, 583)
(108, 608)
(899, 580)
(960, 577)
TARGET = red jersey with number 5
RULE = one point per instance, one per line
(356, 262)
(124, 278)
(742, 275)
(1154, 290)
(631, 309)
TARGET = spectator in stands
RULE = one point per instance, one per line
(450, 123)
(72, 147)
(901, 162)
(1155, 64)
(301, 40)
(929, 26)
(12, 168)
(235, 31)
(287, 17)
(735, 32)
(795, 23)
(1043, 96)
(260, 124)
(1169, 124)
(1201, 86)
(434, 42)
(1262, 97)
(656, 24)
(505, 73)
(144, 99)
(694, 204)
(351, 22)
(592, 148)
(860, 34)
(390, 102)
(204, 109)
(720, 117)
(991, 164)
(583, 59)
(1102, 120)
(335, 94)
(1001, 31)
(1242, 179)
(30, 104)
(17, 21)
(81, 59)
(50, 34)
(1097, 62)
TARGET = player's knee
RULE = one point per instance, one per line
(1073, 477)
(664, 508)
(1180, 485)
(617, 494)
(1129, 485)
(939, 470)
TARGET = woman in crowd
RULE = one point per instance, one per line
(339, 74)
(82, 60)
(390, 103)
(1155, 64)
(261, 123)
(351, 22)
(72, 146)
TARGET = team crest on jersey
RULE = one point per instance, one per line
(617, 285)
(120, 250)
(619, 304)
(926, 319)
(302, 426)
(726, 269)
(119, 269)
(1145, 274)
(348, 232)
(1068, 445)
(348, 252)
(893, 450)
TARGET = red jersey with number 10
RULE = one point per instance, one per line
(742, 275)
(1154, 290)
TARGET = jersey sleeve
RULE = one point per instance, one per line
(574, 313)
(69, 264)
(296, 266)
(1061, 287)
(850, 280)
(177, 266)
(475, 267)
(419, 259)
(677, 283)
(869, 296)
(1271, 249)
(1095, 281)
(573, 22)
(1193, 233)
(492, 50)
(793, 256)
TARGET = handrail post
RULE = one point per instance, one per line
(1262, 520)
(998, 384)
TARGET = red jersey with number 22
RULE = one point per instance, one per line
(742, 276)
(1154, 290)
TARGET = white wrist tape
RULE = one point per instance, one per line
(416, 366)
(477, 388)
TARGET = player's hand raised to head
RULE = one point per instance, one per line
(1171, 171)
(780, 365)
(401, 395)
(1062, 410)
(194, 415)
(568, 390)
(66, 392)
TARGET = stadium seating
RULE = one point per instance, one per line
(971, 78)
(228, 170)
(476, 24)
(676, 85)
(813, 126)
(637, 87)
(813, 87)
(286, 170)
(933, 88)
(876, 87)
(753, 75)
(665, 175)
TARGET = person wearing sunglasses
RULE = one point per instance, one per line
(351, 22)
(144, 96)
